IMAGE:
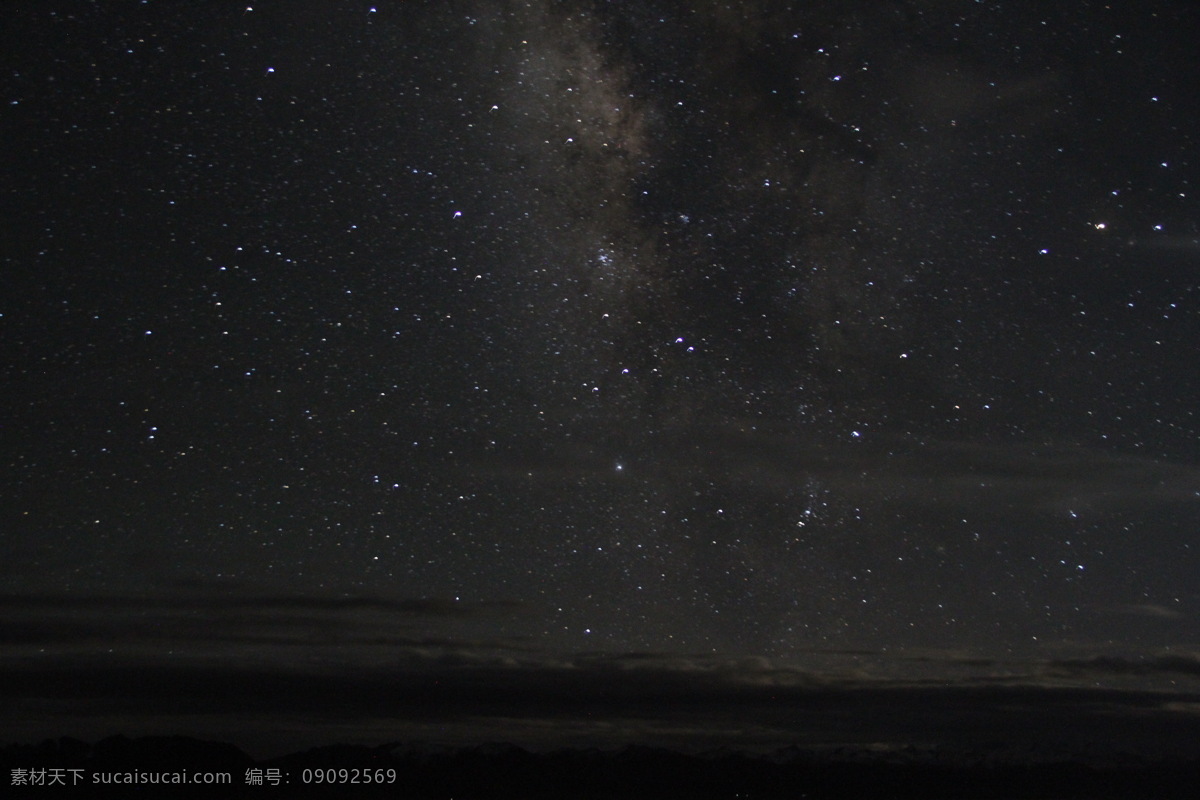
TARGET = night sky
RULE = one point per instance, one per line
(557, 347)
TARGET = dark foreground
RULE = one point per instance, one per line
(122, 767)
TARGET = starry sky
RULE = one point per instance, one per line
(714, 344)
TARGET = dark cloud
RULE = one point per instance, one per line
(1150, 610)
(236, 667)
(426, 606)
(680, 701)
(1013, 476)
(1182, 665)
(244, 623)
